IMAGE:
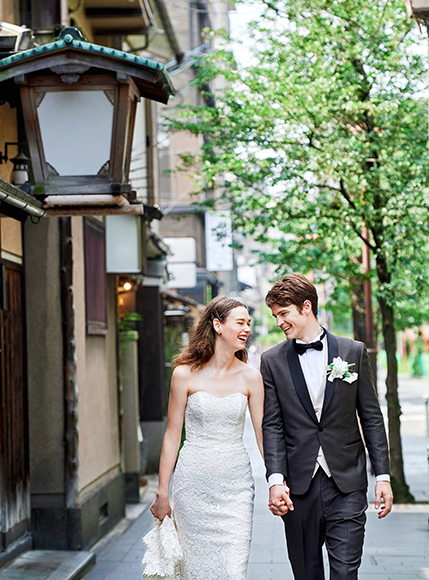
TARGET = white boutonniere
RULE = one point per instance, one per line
(340, 369)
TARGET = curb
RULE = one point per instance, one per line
(49, 565)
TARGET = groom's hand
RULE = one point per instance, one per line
(383, 493)
(279, 501)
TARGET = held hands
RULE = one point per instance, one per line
(279, 501)
(383, 493)
(161, 507)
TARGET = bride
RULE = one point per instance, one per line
(213, 489)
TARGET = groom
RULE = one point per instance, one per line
(315, 424)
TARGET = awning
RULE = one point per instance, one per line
(18, 204)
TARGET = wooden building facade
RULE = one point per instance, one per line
(62, 470)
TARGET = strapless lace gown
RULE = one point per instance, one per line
(213, 489)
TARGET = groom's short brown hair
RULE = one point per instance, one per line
(293, 289)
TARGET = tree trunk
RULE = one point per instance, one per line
(358, 309)
(363, 326)
(400, 488)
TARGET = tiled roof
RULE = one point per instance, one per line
(71, 38)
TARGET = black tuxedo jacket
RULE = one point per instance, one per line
(292, 434)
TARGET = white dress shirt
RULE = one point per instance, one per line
(313, 363)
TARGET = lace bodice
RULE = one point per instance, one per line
(211, 420)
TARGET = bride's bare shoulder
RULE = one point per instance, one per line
(254, 374)
(249, 372)
(181, 380)
(182, 372)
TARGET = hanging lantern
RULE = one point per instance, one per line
(79, 102)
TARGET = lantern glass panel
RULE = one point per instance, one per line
(76, 128)
(420, 4)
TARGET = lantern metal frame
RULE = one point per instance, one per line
(71, 64)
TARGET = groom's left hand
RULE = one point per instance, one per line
(383, 493)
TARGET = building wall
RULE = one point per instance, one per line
(11, 239)
(177, 187)
(9, 11)
(11, 230)
(99, 456)
(45, 362)
(8, 134)
(14, 460)
(55, 523)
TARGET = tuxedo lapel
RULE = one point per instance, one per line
(332, 353)
(299, 380)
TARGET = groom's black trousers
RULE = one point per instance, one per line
(326, 515)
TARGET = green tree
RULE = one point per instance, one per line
(323, 137)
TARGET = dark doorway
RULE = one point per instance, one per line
(14, 464)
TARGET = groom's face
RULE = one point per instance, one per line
(292, 321)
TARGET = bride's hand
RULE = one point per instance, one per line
(160, 507)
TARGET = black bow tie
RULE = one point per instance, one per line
(301, 347)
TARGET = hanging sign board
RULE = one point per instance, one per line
(219, 256)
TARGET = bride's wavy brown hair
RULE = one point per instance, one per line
(203, 336)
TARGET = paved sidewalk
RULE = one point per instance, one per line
(119, 555)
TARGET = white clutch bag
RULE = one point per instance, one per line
(164, 556)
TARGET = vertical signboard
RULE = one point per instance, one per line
(219, 242)
(182, 268)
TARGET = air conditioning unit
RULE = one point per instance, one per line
(14, 39)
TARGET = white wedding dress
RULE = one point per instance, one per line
(213, 490)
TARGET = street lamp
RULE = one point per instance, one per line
(19, 175)
(79, 102)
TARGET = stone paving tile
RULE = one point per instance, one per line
(47, 565)
(123, 559)
(14, 574)
(267, 572)
(383, 576)
(49, 556)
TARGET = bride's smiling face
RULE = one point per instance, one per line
(236, 328)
